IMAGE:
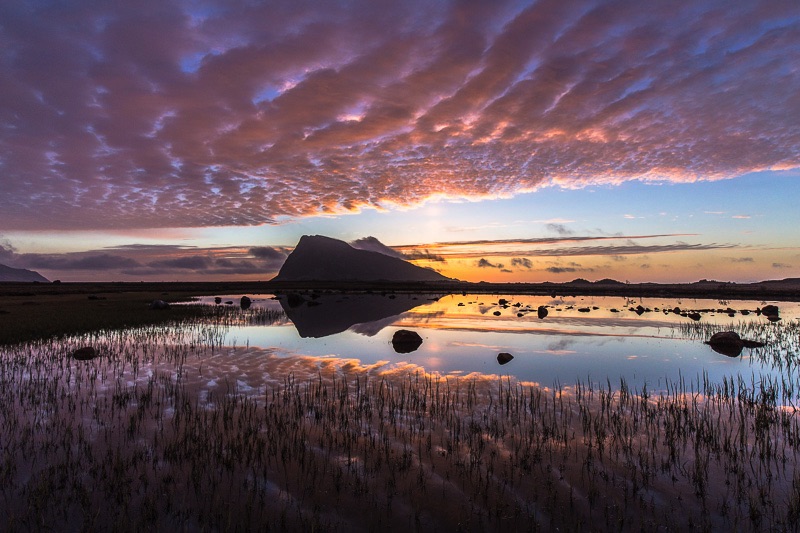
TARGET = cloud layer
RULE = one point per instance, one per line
(168, 113)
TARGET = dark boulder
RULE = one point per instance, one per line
(159, 305)
(85, 354)
(729, 343)
(217, 300)
(771, 312)
(504, 357)
(245, 302)
(541, 311)
(405, 341)
(694, 316)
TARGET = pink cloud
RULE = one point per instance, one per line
(176, 114)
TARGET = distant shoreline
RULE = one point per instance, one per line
(783, 290)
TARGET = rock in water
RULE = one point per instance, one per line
(504, 357)
(771, 312)
(84, 354)
(159, 305)
(405, 341)
(245, 302)
(541, 311)
(730, 343)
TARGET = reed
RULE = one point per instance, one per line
(138, 439)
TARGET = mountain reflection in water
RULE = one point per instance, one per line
(322, 315)
(594, 338)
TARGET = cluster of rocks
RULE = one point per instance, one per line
(771, 312)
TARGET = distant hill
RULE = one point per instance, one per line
(319, 258)
(20, 274)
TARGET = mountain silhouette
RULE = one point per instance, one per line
(20, 274)
(319, 258)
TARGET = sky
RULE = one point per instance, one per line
(488, 140)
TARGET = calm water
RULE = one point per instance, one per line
(587, 339)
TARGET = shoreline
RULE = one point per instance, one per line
(785, 290)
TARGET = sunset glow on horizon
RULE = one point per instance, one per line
(499, 141)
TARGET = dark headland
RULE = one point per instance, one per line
(319, 258)
(323, 263)
(8, 273)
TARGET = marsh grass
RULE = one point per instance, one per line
(140, 439)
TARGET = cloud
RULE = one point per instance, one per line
(374, 245)
(560, 270)
(173, 113)
(188, 263)
(267, 253)
(561, 229)
(741, 217)
(781, 265)
(7, 252)
(742, 260)
(484, 263)
(521, 262)
(426, 255)
(144, 260)
(87, 261)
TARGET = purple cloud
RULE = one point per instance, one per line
(560, 270)
(372, 244)
(523, 262)
(485, 263)
(170, 113)
(268, 253)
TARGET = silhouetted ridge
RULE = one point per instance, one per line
(8, 273)
(319, 258)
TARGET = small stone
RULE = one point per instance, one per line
(504, 357)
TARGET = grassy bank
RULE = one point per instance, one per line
(30, 311)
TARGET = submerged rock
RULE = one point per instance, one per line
(159, 305)
(405, 341)
(730, 343)
(504, 357)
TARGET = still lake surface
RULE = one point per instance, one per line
(600, 340)
(312, 420)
